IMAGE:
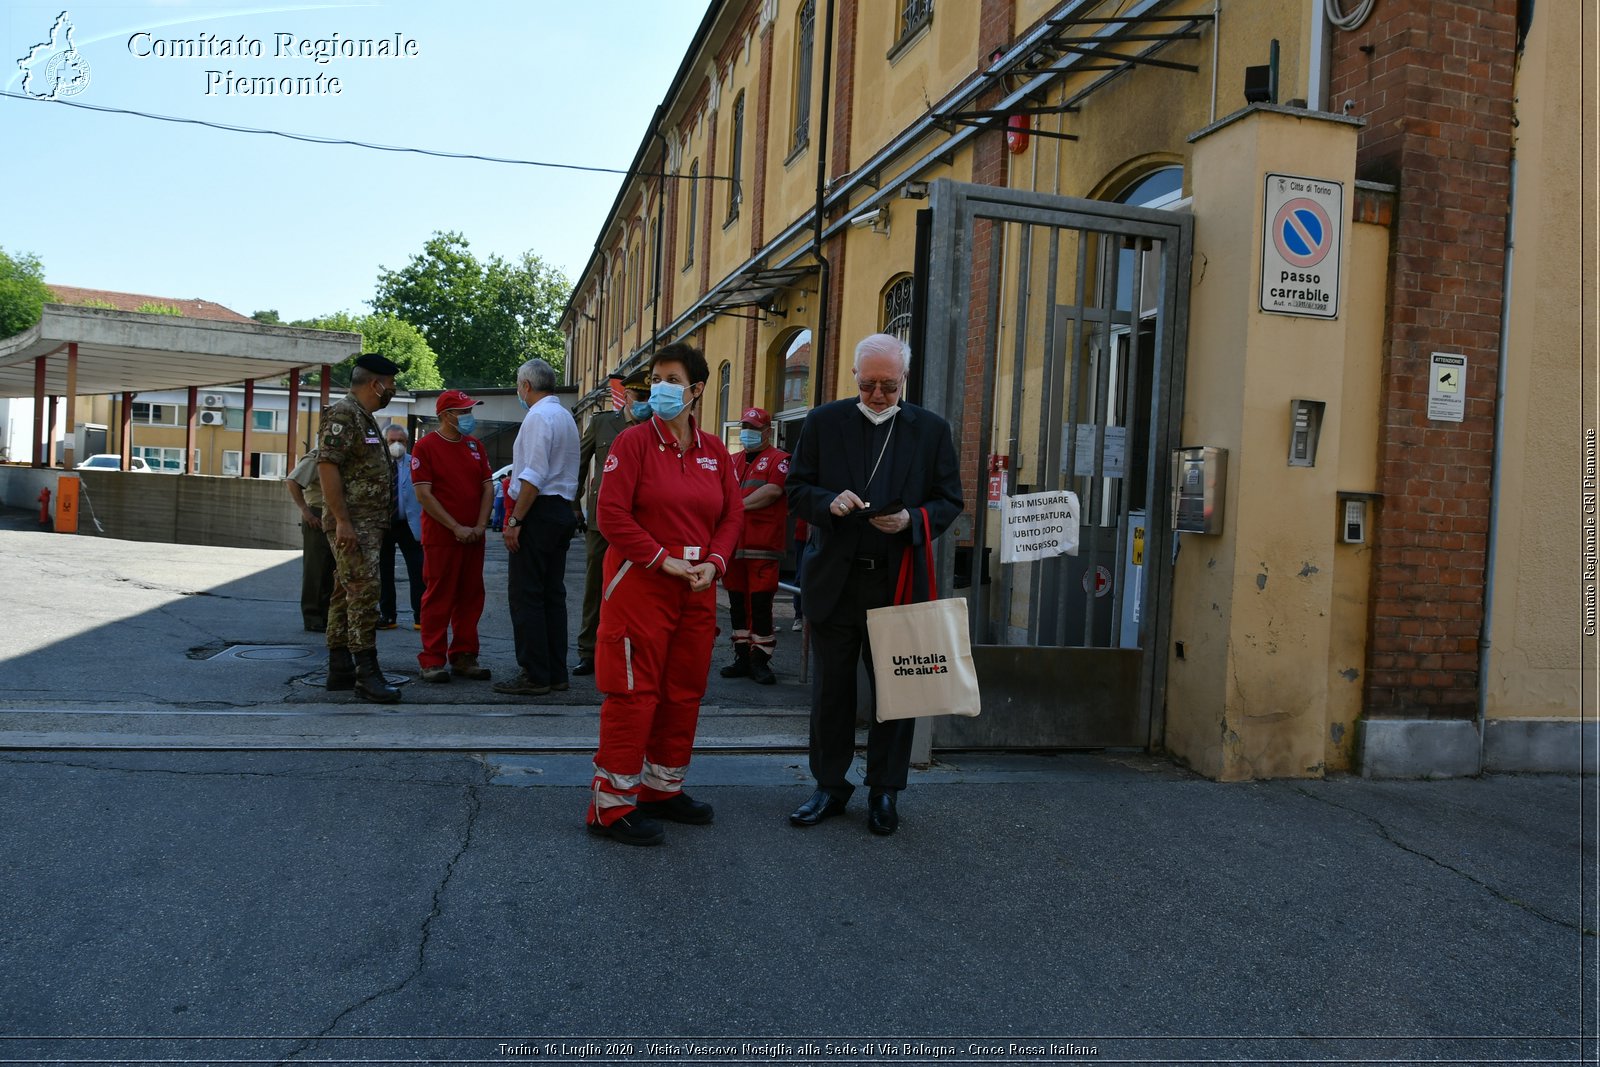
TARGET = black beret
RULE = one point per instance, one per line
(377, 364)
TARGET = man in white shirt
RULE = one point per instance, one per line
(538, 529)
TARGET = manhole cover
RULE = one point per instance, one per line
(263, 652)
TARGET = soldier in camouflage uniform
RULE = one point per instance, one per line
(358, 478)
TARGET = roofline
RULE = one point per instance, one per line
(712, 11)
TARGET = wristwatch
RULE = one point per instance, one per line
(513, 522)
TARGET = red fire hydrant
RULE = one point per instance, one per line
(44, 506)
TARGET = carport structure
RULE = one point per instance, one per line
(82, 351)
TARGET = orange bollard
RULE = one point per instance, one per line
(67, 505)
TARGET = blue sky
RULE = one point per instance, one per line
(253, 222)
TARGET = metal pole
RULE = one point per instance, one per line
(189, 432)
(244, 443)
(291, 431)
(72, 405)
(38, 411)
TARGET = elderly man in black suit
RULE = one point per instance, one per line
(861, 470)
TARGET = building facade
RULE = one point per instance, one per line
(1327, 244)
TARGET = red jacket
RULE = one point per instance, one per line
(655, 501)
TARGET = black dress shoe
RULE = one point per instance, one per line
(585, 666)
(822, 805)
(882, 818)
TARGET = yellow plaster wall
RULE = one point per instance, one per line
(890, 95)
(1141, 120)
(1535, 633)
(1253, 605)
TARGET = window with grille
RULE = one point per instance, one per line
(735, 158)
(914, 15)
(802, 76)
(694, 204)
(897, 308)
(724, 392)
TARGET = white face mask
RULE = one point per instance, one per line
(396, 449)
(878, 418)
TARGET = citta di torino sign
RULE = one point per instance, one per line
(1303, 229)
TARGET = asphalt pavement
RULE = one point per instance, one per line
(207, 861)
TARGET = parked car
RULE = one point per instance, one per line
(110, 461)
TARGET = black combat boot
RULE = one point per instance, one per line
(740, 667)
(370, 682)
(760, 667)
(341, 670)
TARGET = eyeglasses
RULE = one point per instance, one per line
(889, 388)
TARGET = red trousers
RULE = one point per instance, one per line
(751, 576)
(452, 602)
(651, 657)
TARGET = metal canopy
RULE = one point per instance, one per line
(130, 352)
(757, 287)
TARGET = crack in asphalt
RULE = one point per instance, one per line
(1384, 832)
(425, 934)
(333, 774)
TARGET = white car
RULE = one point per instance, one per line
(110, 461)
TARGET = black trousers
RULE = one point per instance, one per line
(537, 592)
(593, 564)
(399, 536)
(838, 643)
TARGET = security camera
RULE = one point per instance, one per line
(867, 218)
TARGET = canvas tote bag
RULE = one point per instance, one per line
(922, 653)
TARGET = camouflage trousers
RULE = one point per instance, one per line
(353, 608)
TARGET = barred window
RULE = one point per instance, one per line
(724, 393)
(897, 308)
(735, 157)
(914, 15)
(694, 203)
(802, 76)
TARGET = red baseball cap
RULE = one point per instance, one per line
(756, 419)
(453, 400)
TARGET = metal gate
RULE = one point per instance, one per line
(1075, 378)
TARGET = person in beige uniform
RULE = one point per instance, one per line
(316, 558)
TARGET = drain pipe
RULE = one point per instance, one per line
(819, 339)
(1484, 643)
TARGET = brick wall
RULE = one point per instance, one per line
(1433, 79)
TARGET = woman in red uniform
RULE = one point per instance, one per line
(671, 512)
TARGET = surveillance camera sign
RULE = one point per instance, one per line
(1300, 246)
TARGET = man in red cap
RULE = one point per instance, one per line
(451, 473)
(752, 577)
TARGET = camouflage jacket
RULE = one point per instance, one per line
(351, 440)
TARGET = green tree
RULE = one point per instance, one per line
(151, 307)
(268, 317)
(483, 318)
(23, 292)
(388, 336)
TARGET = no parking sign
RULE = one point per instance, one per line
(1303, 228)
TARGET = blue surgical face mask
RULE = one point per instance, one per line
(666, 399)
(524, 403)
(751, 439)
(466, 423)
(640, 409)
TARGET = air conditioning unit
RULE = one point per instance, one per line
(210, 418)
(212, 400)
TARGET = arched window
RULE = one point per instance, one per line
(724, 391)
(634, 275)
(1156, 189)
(796, 379)
(897, 308)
